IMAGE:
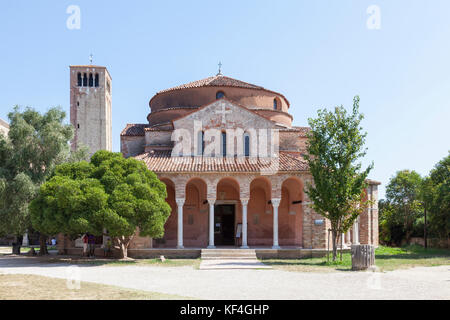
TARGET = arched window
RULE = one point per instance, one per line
(96, 79)
(91, 80)
(275, 104)
(220, 95)
(246, 144)
(224, 144)
(85, 80)
(79, 80)
(200, 143)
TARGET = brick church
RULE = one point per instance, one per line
(231, 160)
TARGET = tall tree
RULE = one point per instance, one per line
(403, 193)
(440, 203)
(335, 144)
(113, 193)
(35, 144)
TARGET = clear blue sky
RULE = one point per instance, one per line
(317, 53)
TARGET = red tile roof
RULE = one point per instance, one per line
(134, 129)
(161, 161)
(215, 81)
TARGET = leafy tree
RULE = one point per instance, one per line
(439, 199)
(402, 193)
(335, 143)
(28, 155)
(113, 193)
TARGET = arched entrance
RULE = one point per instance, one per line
(227, 212)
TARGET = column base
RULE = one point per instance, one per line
(245, 247)
(211, 247)
(180, 247)
(275, 247)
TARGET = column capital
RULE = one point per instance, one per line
(180, 201)
(244, 201)
(211, 200)
(276, 202)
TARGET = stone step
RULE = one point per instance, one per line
(220, 254)
(228, 250)
(229, 258)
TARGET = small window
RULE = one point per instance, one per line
(246, 144)
(224, 144)
(79, 80)
(108, 86)
(200, 143)
(78, 126)
(78, 103)
(96, 80)
(85, 80)
(220, 95)
(275, 104)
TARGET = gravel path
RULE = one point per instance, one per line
(416, 283)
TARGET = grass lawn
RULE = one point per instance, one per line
(32, 287)
(7, 250)
(386, 259)
(195, 263)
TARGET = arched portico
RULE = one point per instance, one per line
(195, 214)
(260, 217)
(290, 219)
(207, 209)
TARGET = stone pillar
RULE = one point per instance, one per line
(211, 202)
(275, 204)
(244, 223)
(180, 203)
(356, 232)
(25, 241)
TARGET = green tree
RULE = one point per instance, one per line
(439, 199)
(113, 193)
(28, 155)
(403, 195)
(335, 143)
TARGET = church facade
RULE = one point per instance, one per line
(234, 170)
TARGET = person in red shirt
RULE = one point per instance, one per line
(85, 244)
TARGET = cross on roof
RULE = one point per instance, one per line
(220, 67)
(223, 112)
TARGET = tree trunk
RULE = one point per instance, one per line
(363, 256)
(122, 246)
(17, 244)
(334, 238)
(42, 245)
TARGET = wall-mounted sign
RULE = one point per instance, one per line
(318, 222)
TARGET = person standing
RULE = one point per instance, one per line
(91, 242)
(85, 244)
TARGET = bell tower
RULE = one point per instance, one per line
(90, 107)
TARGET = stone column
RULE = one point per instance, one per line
(356, 232)
(275, 204)
(244, 223)
(25, 241)
(180, 203)
(211, 202)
